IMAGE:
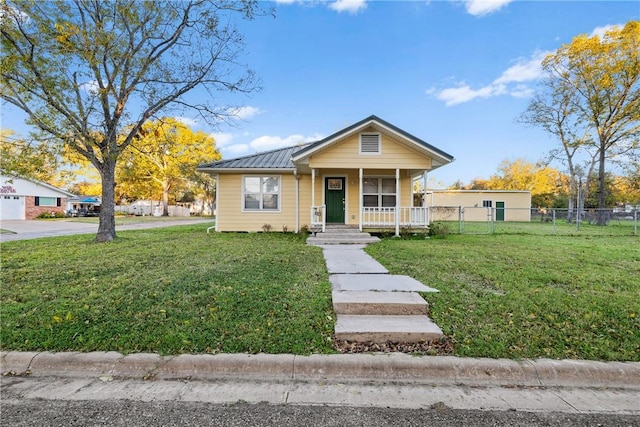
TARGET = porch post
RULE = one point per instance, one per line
(313, 187)
(424, 196)
(397, 202)
(360, 199)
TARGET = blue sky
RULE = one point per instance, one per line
(454, 73)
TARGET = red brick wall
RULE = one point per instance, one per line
(32, 211)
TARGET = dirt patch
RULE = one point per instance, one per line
(433, 348)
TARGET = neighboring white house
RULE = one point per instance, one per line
(26, 199)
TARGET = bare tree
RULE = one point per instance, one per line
(90, 73)
(553, 110)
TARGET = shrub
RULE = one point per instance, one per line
(49, 215)
(266, 228)
(438, 230)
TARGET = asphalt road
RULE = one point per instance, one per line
(170, 413)
(34, 229)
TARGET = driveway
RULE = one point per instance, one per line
(35, 229)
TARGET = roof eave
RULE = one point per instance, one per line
(245, 170)
(440, 155)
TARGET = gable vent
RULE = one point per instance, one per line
(370, 143)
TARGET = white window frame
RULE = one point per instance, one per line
(261, 194)
(370, 153)
(379, 193)
(52, 204)
(487, 203)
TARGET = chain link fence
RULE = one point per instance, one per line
(540, 221)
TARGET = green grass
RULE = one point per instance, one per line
(527, 296)
(179, 290)
(173, 290)
(559, 228)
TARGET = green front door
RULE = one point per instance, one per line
(334, 200)
(499, 211)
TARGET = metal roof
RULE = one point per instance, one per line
(274, 159)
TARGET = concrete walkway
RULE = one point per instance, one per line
(370, 304)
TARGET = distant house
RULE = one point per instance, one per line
(480, 205)
(362, 175)
(22, 198)
(85, 205)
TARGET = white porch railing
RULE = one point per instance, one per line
(318, 217)
(386, 217)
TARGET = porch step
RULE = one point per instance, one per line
(341, 235)
(321, 241)
(381, 329)
(379, 303)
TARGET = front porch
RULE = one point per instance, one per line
(371, 199)
(378, 219)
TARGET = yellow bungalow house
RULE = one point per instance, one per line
(362, 176)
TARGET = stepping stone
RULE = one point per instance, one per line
(379, 303)
(380, 329)
(340, 261)
(377, 282)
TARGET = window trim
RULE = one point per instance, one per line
(261, 208)
(380, 193)
(370, 153)
(38, 201)
(487, 203)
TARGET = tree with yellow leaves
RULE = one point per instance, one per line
(545, 183)
(162, 161)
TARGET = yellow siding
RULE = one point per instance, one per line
(352, 177)
(345, 155)
(232, 218)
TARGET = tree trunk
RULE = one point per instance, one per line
(602, 196)
(107, 226)
(165, 199)
(572, 191)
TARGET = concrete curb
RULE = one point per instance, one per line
(396, 368)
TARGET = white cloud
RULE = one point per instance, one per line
(222, 139)
(265, 143)
(236, 149)
(524, 70)
(244, 113)
(350, 6)
(601, 31)
(91, 87)
(484, 7)
(464, 93)
(521, 91)
(186, 121)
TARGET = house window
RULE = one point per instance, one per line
(370, 143)
(261, 193)
(47, 201)
(487, 204)
(379, 192)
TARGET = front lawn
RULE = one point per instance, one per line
(181, 290)
(173, 290)
(518, 296)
